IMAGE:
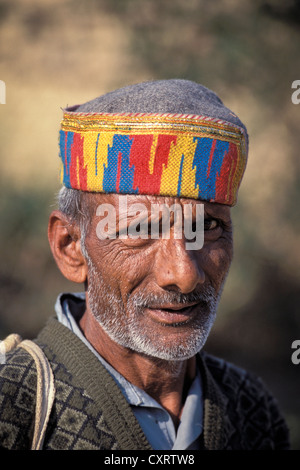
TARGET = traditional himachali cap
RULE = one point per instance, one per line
(165, 138)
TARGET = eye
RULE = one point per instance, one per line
(211, 224)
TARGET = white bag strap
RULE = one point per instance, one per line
(45, 386)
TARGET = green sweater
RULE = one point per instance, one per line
(90, 411)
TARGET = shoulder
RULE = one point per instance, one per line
(231, 378)
(241, 388)
(236, 383)
(249, 405)
(17, 399)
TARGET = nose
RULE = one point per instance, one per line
(177, 268)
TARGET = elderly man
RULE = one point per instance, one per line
(127, 355)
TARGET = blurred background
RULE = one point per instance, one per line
(55, 53)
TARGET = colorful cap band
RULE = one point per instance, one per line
(187, 156)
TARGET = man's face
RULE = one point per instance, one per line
(154, 296)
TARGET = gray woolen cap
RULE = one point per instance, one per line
(163, 96)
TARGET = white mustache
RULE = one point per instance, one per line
(207, 296)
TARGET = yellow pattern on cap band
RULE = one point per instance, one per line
(161, 154)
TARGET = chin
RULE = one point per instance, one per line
(176, 344)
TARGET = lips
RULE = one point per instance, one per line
(173, 314)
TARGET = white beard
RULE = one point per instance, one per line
(128, 330)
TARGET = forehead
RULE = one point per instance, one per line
(117, 201)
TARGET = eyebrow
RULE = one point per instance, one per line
(148, 215)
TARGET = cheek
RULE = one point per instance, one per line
(217, 260)
(121, 268)
(220, 258)
(136, 270)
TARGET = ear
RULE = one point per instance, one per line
(64, 239)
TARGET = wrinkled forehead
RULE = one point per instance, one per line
(126, 203)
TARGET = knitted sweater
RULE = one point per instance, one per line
(90, 411)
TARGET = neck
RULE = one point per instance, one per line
(165, 381)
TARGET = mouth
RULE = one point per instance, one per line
(173, 315)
